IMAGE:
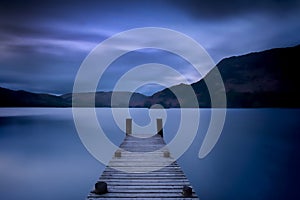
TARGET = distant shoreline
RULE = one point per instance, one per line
(264, 79)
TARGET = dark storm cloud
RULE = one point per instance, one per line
(20, 30)
(236, 27)
(218, 9)
(41, 50)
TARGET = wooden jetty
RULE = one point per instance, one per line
(143, 168)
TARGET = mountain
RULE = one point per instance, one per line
(11, 98)
(262, 79)
(103, 99)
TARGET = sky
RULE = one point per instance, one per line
(43, 43)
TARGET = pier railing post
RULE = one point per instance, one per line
(159, 125)
(128, 126)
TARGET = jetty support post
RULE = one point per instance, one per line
(128, 126)
(159, 125)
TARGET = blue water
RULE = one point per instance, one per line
(256, 157)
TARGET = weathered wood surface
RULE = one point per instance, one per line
(137, 156)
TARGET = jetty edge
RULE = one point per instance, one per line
(143, 168)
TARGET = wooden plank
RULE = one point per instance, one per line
(154, 198)
(139, 195)
(141, 187)
(134, 176)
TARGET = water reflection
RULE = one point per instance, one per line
(257, 156)
(41, 157)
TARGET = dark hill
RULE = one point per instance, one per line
(261, 79)
(11, 98)
(103, 99)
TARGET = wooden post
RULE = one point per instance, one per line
(159, 125)
(128, 126)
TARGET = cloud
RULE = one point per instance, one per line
(73, 38)
(43, 43)
(220, 9)
(42, 56)
(141, 57)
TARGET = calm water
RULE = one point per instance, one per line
(256, 157)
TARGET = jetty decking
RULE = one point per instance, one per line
(136, 159)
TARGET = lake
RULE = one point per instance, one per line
(256, 157)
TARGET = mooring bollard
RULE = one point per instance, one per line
(118, 154)
(166, 154)
(100, 188)
(187, 191)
